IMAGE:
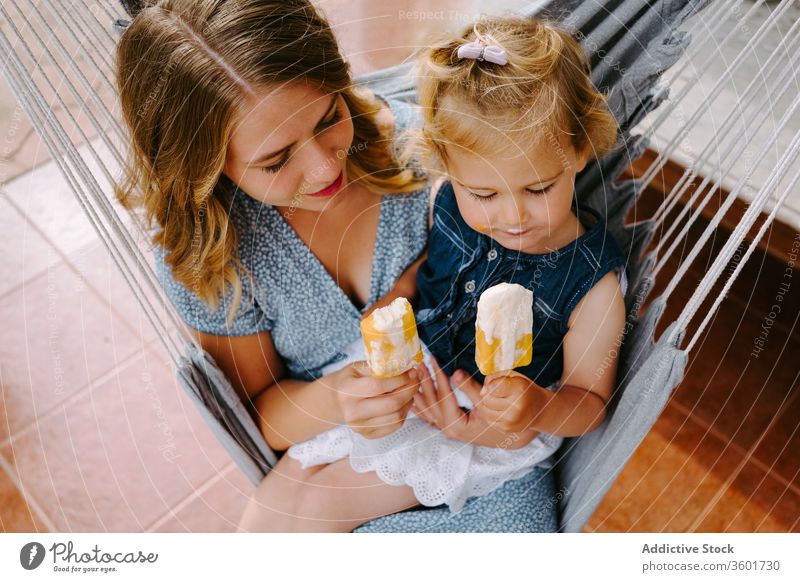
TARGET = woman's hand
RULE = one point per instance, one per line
(441, 409)
(374, 407)
(511, 401)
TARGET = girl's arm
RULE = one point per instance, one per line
(517, 404)
(591, 349)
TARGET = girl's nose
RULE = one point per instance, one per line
(513, 213)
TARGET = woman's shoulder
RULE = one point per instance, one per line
(197, 312)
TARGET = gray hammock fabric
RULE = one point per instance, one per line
(638, 41)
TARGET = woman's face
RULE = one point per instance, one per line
(289, 147)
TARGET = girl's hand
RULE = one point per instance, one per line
(511, 401)
(371, 407)
(441, 410)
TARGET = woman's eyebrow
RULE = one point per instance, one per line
(263, 159)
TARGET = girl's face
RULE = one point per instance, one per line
(522, 200)
(290, 146)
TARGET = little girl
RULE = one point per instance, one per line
(511, 116)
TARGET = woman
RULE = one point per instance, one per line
(282, 217)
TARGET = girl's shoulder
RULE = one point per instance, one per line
(596, 267)
(443, 201)
(437, 189)
(597, 245)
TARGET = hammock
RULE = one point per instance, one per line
(632, 44)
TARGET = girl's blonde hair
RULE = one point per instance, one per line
(185, 69)
(543, 92)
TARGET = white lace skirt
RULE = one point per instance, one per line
(438, 469)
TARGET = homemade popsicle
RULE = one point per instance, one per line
(390, 337)
(504, 328)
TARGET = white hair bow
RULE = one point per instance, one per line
(475, 50)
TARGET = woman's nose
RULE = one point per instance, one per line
(322, 167)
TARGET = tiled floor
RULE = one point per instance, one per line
(95, 434)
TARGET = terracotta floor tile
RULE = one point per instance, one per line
(756, 502)
(57, 336)
(736, 394)
(25, 252)
(9, 169)
(15, 129)
(672, 481)
(67, 96)
(752, 482)
(15, 514)
(723, 383)
(120, 456)
(216, 509)
(664, 487)
(45, 198)
(683, 431)
(779, 449)
(96, 265)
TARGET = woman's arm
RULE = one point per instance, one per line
(287, 411)
(290, 411)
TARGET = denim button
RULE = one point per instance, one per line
(470, 286)
(492, 255)
(449, 316)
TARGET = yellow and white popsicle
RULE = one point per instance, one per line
(504, 328)
(390, 337)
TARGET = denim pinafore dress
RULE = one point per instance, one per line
(462, 263)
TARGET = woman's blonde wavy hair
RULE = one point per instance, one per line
(184, 70)
(544, 91)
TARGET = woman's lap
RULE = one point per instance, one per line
(525, 505)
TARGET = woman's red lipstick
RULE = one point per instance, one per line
(330, 189)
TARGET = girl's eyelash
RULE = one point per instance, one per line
(324, 125)
(542, 191)
(484, 197)
(490, 196)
